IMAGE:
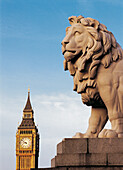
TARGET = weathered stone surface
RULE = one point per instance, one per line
(105, 145)
(91, 145)
(69, 160)
(95, 159)
(115, 159)
(79, 160)
(73, 145)
(53, 162)
(89, 152)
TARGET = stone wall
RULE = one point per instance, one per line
(92, 153)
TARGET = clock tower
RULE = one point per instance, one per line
(27, 140)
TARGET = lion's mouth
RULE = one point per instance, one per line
(70, 51)
(71, 54)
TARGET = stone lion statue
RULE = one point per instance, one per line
(95, 60)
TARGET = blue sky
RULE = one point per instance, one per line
(31, 34)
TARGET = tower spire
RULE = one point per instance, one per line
(28, 106)
(28, 90)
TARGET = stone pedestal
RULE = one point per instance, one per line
(93, 153)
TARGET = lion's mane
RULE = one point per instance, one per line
(100, 47)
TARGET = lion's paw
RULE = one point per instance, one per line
(81, 135)
(78, 135)
(107, 133)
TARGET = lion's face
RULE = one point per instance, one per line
(72, 43)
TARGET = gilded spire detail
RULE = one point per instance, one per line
(28, 90)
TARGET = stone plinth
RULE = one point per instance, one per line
(89, 152)
(93, 153)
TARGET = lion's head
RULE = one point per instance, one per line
(86, 46)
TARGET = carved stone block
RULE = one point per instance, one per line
(84, 152)
(105, 145)
(62, 160)
(72, 146)
(115, 159)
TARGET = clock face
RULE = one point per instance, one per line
(25, 142)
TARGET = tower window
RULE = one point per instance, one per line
(27, 115)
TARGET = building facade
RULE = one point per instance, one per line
(27, 140)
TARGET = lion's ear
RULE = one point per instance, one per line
(79, 18)
(72, 20)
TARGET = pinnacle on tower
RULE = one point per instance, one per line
(28, 106)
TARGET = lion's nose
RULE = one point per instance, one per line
(65, 41)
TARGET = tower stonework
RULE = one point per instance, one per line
(27, 140)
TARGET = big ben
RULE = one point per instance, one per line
(27, 140)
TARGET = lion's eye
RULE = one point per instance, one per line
(77, 33)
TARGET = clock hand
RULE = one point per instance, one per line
(24, 141)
